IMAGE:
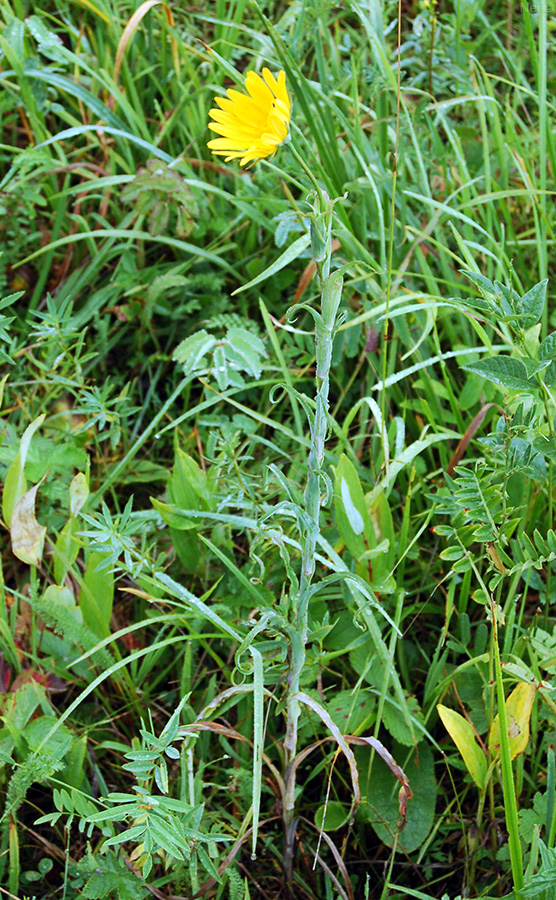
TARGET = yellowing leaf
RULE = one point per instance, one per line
(26, 533)
(518, 714)
(15, 484)
(463, 737)
(78, 491)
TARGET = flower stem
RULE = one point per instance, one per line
(331, 286)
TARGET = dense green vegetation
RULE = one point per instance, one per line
(277, 584)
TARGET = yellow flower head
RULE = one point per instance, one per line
(252, 125)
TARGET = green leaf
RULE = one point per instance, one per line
(532, 304)
(547, 349)
(349, 710)
(192, 350)
(220, 367)
(504, 370)
(97, 595)
(381, 808)
(249, 349)
(331, 816)
(396, 725)
(480, 281)
(159, 218)
(352, 516)
(66, 549)
(189, 483)
(293, 251)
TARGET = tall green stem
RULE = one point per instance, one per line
(331, 289)
(510, 801)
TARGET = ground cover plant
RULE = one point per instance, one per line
(277, 448)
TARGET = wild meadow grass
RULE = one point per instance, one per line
(277, 450)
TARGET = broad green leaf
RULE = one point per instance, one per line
(383, 525)
(352, 516)
(365, 525)
(97, 595)
(480, 281)
(381, 808)
(396, 725)
(189, 483)
(532, 304)
(349, 710)
(462, 734)
(332, 815)
(504, 370)
(519, 705)
(547, 349)
(66, 549)
(173, 516)
(64, 597)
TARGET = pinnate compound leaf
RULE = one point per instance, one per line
(191, 352)
(111, 878)
(463, 736)
(246, 350)
(221, 370)
(504, 370)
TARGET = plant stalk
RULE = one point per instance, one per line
(331, 287)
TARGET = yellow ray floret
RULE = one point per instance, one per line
(252, 125)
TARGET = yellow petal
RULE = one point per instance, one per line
(251, 125)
